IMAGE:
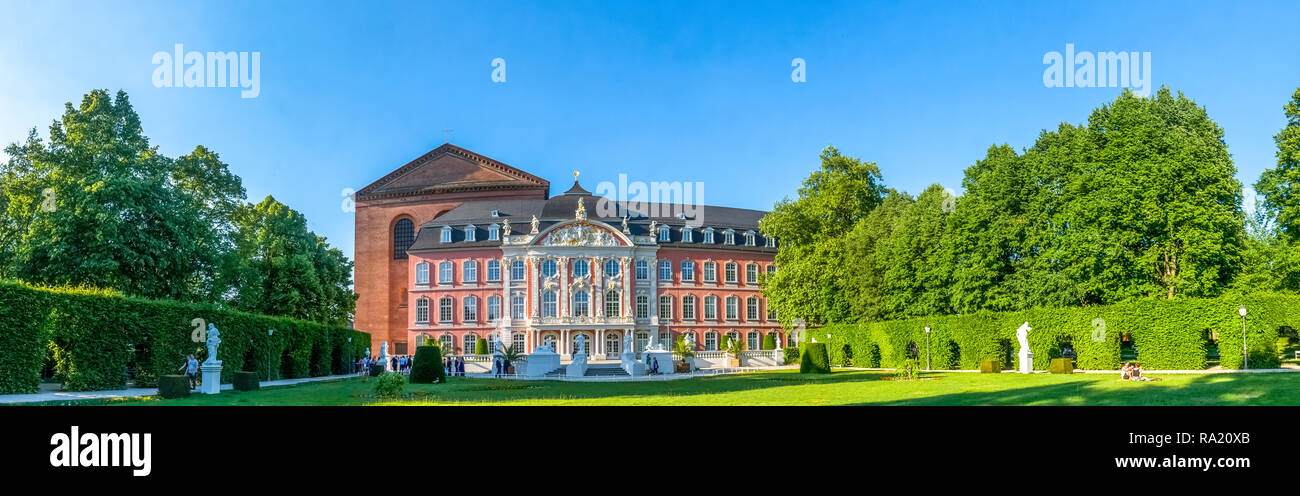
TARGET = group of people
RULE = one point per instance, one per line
(400, 364)
(1132, 371)
(454, 365)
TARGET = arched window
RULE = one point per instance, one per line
(444, 309)
(664, 233)
(580, 304)
(665, 309)
(751, 308)
(687, 234)
(688, 270)
(422, 273)
(471, 233)
(729, 237)
(708, 235)
(688, 307)
(612, 306)
(612, 344)
(444, 272)
(469, 273)
(751, 274)
(549, 304)
(493, 308)
(494, 232)
(422, 310)
(403, 237)
(732, 311)
(580, 268)
(710, 307)
(586, 344)
(749, 238)
(729, 272)
(548, 268)
(611, 268)
(710, 272)
(471, 309)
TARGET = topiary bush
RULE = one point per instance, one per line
(814, 359)
(174, 386)
(390, 385)
(480, 347)
(791, 354)
(1061, 366)
(769, 341)
(427, 368)
(246, 381)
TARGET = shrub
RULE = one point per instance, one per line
(174, 386)
(769, 341)
(814, 359)
(908, 370)
(791, 354)
(390, 385)
(246, 381)
(377, 369)
(1061, 366)
(480, 347)
(990, 366)
(427, 368)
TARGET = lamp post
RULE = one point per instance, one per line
(927, 347)
(1245, 363)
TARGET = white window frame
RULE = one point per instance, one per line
(471, 233)
(446, 272)
(422, 273)
(422, 310)
(446, 309)
(469, 271)
(494, 271)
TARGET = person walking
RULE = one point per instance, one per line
(191, 368)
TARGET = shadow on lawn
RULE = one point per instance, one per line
(1210, 389)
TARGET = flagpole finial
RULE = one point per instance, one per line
(575, 176)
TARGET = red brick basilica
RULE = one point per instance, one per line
(455, 246)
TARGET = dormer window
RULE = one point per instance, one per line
(686, 234)
(749, 238)
(770, 242)
(708, 235)
(729, 237)
(496, 213)
(494, 232)
(470, 230)
(665, 234)
(446, 234)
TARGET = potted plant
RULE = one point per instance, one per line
(686, 352)
(734, 347)
(512, 356)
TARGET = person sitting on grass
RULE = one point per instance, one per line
(1137, 373)
(1126, 371)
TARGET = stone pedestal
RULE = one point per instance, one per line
(665, 359)
(1026, 361)
(578, 367)
(211, 378)
(541, 363)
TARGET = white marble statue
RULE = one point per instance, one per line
(690, 341)
(534, 224)
(214, 341)
(627, 343)
(1026, 356)
(383, 350)
(625, 224)
(505, 226)
(579, 345)
(497, 348)
(1022, 334)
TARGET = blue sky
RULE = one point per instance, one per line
(679, 91)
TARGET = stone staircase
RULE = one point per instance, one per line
(602, 369)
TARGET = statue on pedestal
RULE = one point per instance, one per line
(505, 226)
(534, 225)
(1026, 356)
(580, 345)
(214, 341)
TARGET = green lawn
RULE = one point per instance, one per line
(785, 387)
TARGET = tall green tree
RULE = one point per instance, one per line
(1279, 187)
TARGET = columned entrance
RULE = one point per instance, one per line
(613, 344)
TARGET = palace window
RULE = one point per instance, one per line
(446, 235)
(732, 311)
(665, 270)
(749, 238)
(494, 232)
(517, 270)
(729, 237)
(771, 269)
(729, 272)
(471, 309)
(711, 341)
(445, 308)
(422, 273)
(733, 336)
(642, 338)
(444, 273)
(692, 337)
(752, 338)
(549, 304)
(688, 307)
(710, 307)
(688, 270)
(611, 268)
(710, 272)
(642, 307)
(770, 242)
(491, 342)
(642, 270)
(581, 300)
(471, 233)
(751, 308)
(580, 268)
(612, 307)
(469, 343)
(708, 235)
(493, 308)
(517, 306)
(517, 341)
(751, 274)
(665, 234)
(771, 312)
(687, 234)
(448, 343)
(549, 268)
(403, 237)
(665, 309)
(494, 270)
(422, 310)
(469, 271)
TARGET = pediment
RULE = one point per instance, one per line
(450, 168)
(589, 234)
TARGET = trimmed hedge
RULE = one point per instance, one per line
(246, 381)
(1168, 334)
(990, 366)
(95, 336)
(1061, 366)
(174, 386)
(427, 368)
(814, 359)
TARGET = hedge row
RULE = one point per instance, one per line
(94, 337)
(1166, 334)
